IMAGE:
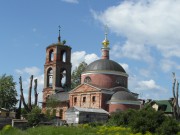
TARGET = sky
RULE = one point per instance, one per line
(144, 38)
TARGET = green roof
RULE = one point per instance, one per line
(166, 104)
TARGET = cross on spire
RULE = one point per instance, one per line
(106, 30)
(59, 37)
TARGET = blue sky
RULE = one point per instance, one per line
(144, 38)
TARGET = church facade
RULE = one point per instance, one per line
(104, 83)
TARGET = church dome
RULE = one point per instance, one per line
(123, 96)
(104, 65)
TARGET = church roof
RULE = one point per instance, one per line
(164, 105)
(123, 97)
(94, 110)
(62, 96)
(105, 65)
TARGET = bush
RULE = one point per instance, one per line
(145, 121)
(121, 118)
(168, 127)
(35, 116)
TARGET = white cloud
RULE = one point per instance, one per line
(168, 65)
(132, 50)
(28, 70)
(148, 85)
(145, 23)
(125, 66)
(147, 88)
(71, 1)
(78, 57)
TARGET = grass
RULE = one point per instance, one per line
(83, 129)
(50, 130)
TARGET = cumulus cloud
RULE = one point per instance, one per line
(28, 70)
(148, 85)
(71, 1)
(125, 66)
(147, 88)
(80, 56)
(168, 65)
(145, 24)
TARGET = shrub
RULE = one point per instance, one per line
(121, 118)
(35, 116)
(146, 120)
(168, 127)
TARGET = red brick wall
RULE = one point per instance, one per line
(122, 107)
(105, 80)
(88, 103)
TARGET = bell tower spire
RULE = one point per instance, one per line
(105, 49)
(59, 37)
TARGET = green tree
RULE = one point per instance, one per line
(35, 116)
(76, 74)
(121, 118)
(168, 127)
(8, 92)
(145, 120)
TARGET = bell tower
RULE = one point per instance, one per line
(57, 69)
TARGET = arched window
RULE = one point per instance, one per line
(87, 79)
(50, 77)
(63, 56)
(51, 55)
(61, 113)
(63, 78)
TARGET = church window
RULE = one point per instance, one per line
(84, 99)
(50, 77)
(51, 55)
(75, 99)
(63, 78)
(93, 98)
(61, 113)
(63, 56)
(87, 79)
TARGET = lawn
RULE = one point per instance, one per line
(53, 130)
(84, 129)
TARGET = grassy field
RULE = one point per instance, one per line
(80, 130)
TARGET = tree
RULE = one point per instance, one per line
(8, 92)
(28, 107)
(145, 120)
(76, 74)
(35, 116)
(176, 111)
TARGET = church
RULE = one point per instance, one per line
(103, 88)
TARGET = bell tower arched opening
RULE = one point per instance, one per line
(51, 55)
(50, 77)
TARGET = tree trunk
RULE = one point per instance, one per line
(22, 95)
(35, 92)
(29, 94)
(18, 112)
